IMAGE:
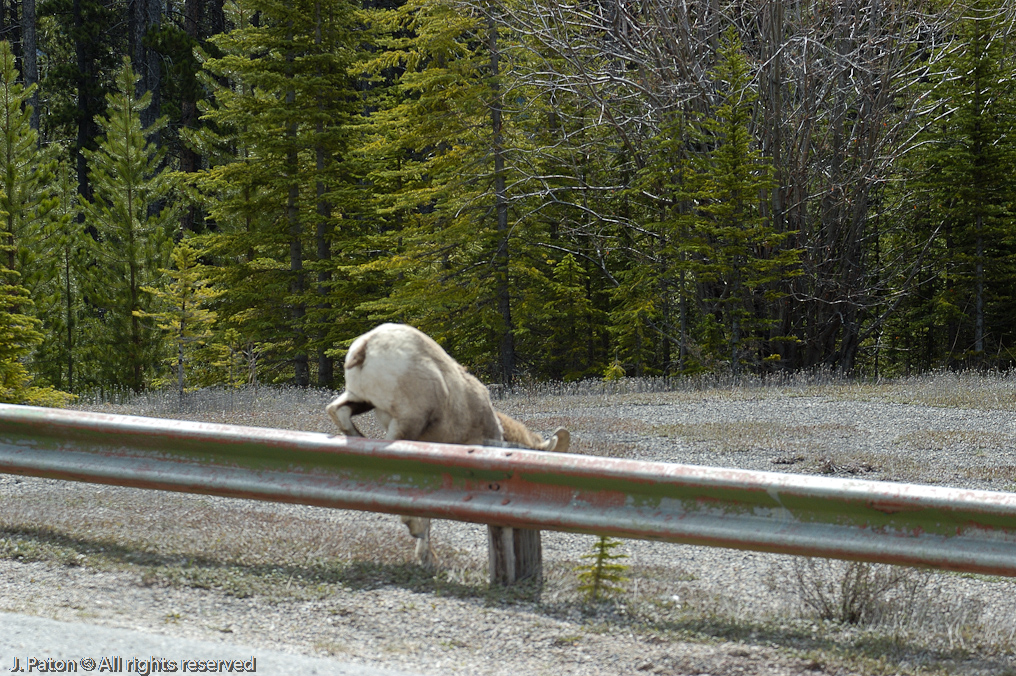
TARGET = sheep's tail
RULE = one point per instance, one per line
(356, 357)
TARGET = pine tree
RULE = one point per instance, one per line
(281, 190)
(26, 200)
(423, 156)
(461, 254)
(180, 308)
(134, 224)
(563, 157)
(969, 193)
(656, 299)
(569, 316)
(25, 173)
(737, 253)
(225, 360)
(56, 285)
(19, 334)
(635, 315)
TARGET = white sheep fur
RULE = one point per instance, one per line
(418, 392)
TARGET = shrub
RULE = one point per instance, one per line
(853, 592)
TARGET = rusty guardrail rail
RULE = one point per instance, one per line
(965, 530)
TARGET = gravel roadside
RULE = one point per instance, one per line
(687, 610)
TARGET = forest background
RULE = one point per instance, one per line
(229, 191)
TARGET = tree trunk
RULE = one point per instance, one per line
(507, 343)
(301, 375)
(326, 365)
(179, 354)
(190, 161)
(979, 299)
(216, 18)
(152, 77)
(301, 368)
(70, 319)
(12, 31)
(142, 16)
(30, 60)
(85, 113)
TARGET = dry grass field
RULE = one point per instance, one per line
(329, 582)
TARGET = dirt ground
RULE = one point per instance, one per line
(329, 582)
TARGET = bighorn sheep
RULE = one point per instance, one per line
(418, 392)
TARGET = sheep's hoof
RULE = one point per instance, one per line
(425, 553)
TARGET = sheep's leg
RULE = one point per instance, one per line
(419, 528)
(405, 428)
(341, 411)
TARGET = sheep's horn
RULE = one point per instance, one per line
(559, 441)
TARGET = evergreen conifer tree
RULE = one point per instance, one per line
(61, 257)
(463, 256)
(27, 200)
(225, 360)
(25, 173)
(603, 574)
(180, 308)
(134, 223)
(19, 334)
(737, 253)
(281, 190)
(656, 297)
(967, 192)
(570, 317)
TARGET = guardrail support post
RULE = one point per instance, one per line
(515, 555)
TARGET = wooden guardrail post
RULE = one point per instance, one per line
(515, 555)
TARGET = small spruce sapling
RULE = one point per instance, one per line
(181, 307)
(603, 574)
(614, 371)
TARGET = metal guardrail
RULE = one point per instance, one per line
(964, 530)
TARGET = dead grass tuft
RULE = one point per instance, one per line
(852, 592)
(905, 606)
(840, 464)
(952, 440)
(755, 436)
(946, 389)
(890, 467)
(1005, 474)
